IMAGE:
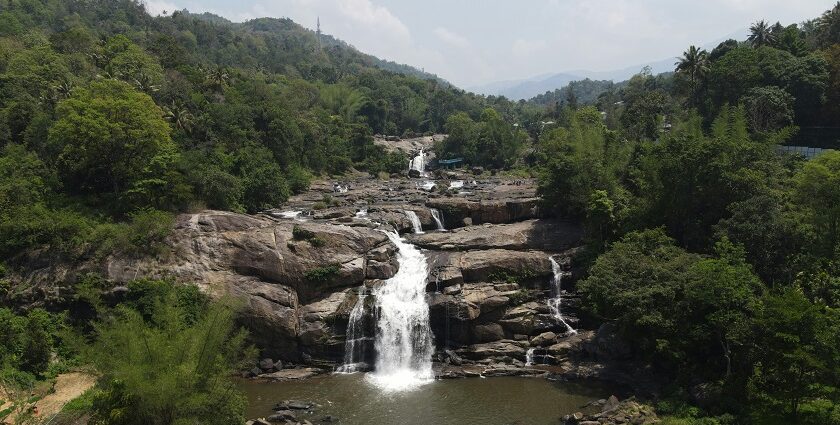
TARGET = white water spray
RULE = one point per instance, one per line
(404, 337)
(354, 345)
(529, 357)
(438, 218)
(556, 295)
(415, 221)
(419, 162)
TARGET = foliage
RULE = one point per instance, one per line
(490, 142)
(162, 364)
(320, 274)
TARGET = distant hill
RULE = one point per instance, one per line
(586, 92)
(537, 85)
(287, 30)
(526, 89)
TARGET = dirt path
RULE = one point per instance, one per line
(67, 387)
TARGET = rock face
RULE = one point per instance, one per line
(530, 234)
(299, 278)
(455, 210)
(294, 282)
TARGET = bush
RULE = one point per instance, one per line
(164, 366)
(320, 274)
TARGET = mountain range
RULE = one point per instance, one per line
(529, 87)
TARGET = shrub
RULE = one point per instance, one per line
(320, 274)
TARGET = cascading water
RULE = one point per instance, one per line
(354, 345)
(418, 163)
(415, 221)
(438, 219)
(556, 294)
(404, 337)
(529, 357)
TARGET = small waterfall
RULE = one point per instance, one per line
(529, 357)
(418, 163)
(404, 338)
(438, 218)
(556, 294)
(354, 345)
(415, 221)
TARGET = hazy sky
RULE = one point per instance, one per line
(475, 42)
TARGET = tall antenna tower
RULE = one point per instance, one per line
(318, 32)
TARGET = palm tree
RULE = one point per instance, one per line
(218, 78)
(179, 116)
(694, 63)
(761, 34)
(145, 83)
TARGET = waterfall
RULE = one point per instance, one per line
(438, 218)
(415, 221)
(556, 295)
(529, 357)
(354, 345)
(419, 162)
(404, 338)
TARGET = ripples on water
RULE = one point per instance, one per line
(353, 399)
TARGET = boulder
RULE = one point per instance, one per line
(488, 332)
(282, 416)
(543, 339)
(266, 364)
(481, 265)
(504, 348)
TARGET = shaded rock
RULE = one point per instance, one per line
(488, 333)
(266, 364)
(282, 416)
(492, 350)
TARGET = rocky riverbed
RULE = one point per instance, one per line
(300, 268)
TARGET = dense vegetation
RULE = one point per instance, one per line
(109, 115)
(714, 255)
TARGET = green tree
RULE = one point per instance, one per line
(114, 141)
(796, 360)
(768, 108)
(169, 368)
(761, 34)
(695, 64)
(816, 191)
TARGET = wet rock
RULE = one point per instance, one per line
(282, 416)
(453, 358)
(293, 405)
(292, 374)
(452, 290)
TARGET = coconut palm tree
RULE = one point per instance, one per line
(218, 78)
(179, 116)
(694, 63)
(761, 34)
